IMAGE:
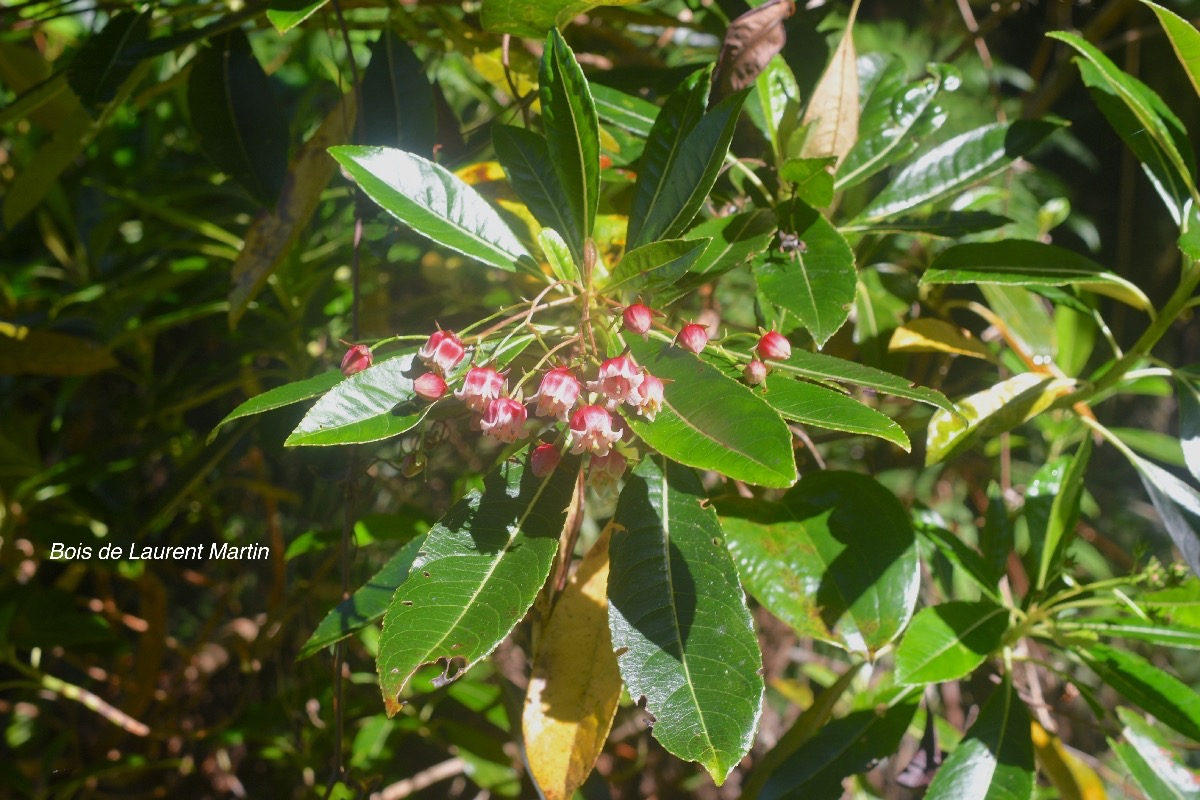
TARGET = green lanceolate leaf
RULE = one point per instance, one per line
(991, 412)
(954, 165)
(1184, 38)
(433, 202)
(1164, 635)
(680, 114)
(1178, 506)
(734, 240)
(995, 759)
(572, 134)
(962, 557)
(1021, 262)
(836, 559)
(526, 160)
(558, 255)
(532, 18)
(1188, 392)
(1064, 515)
(819, 407)
(948, 641)
(829, 369)
(1169, 699)
(817, 282)
(366, 605)
(374, 404)
(626, 111)
(679, 619)
(1178, 605)
(941, 224)
(281, 396)
(103, 63)
(287, 14)
(844, 747)
(478, 573)
(656, 266)
(237, 117)
(1155, 765)
(710, 421)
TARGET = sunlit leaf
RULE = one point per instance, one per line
(1156, 766)
(280, 396)
(948, 641)
(656, 266)
(1169, 699)
(932, 335)
(572, 135)
(832, 112)
(287, 14)
(826, 369)
(810, 404)
(532, 18)
(995, 759)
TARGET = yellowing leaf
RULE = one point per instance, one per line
(1073, 779)
(575, 686)
(928, 335)
(833, 110)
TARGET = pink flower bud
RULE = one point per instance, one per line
(429, 386)
(357, 358)
(604, 471)
(545, 458)
(755, 372)
(638, 318)
(557, 393)
(618, 381)
(442, 352)
(649, 397)
(693, 337)
(481, 386)
(772, 345)
(592, 431)
(504, 420)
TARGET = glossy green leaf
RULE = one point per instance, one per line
(710, 421)
(433, 202)
(679, 116)
(1022, 262)
(237, 117)
(626, 111)
(679, 619)
(954, 165)
(366, 605)
(948, 641)
(1184, 39)
(941, 224)
(1188, 391)
(287, 14)
(995, 759)
(572, 134)
(1178, 506)
(817, 282)
(558, 254)
(814, 405)
(844, 747)
(1155, 765)
(960, 554)
(480, 569)
(674, 195)
(775, 105)
(280, 396)
(1178, 605)
(835, 558)
(1169, 699)
(991, 412)
(374, 404)
(525, 157)
(811, 179)
(1064, 515)
(1143, 121)
(1164, 635)
(393, 84)
(656, 266)
(532, 18)
(104, 61)
(1160, 446)
(822, 368)
(734, 240)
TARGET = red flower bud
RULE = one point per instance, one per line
(638, 318)
(693, 337)
(429, 386)
(772, 345)
(442, 352)
(755, 372)
(357, 358)
(545, 458)
(504, 420)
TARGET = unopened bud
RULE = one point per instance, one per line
(638, 318)
(357, 358)
(693, 337)
(429, 386)
(755, 372)
(545, 458)
(772, 345)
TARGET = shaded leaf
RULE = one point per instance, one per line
(948, 641)
(734, 241)
(942, 224)
(836, 559)
(811, 180)
(478, 573)
(104, 62)
(1178, 506)
(526, 160)
(287, 14)
(532, 18)
(1169, 699)
(280, 396)
(25, 351)
(624, 110)
(995, 759)
(1188, 392)
(1064, 515)
(962, 557)
(656, 266)
(572, 133)
(679, 620)
(394, 84)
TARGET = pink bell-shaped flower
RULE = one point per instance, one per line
(649, 396)
(638, 318)
(557, 393)
(481, 386)
(504, 420)
(442, 352)
(357, 358)
(429, 386)
(592, 431)
(755, 372)
(545, 458)
(618, 381)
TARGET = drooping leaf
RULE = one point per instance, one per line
(1188, 392)
(1072, 777)
(1184, 39)
(826, 369)
(1021, 262)
(532, 18)
(237, 117)
(844, 747)
(832, 113)
(1178, 506)
(433, 202)
(1064, 515)
(836, 559)
(816, 283)
(1169, 699)
(526, 160)
(104, 61)
(948, 641)
(679, 619)
(656, 266)
(273, 236)
(374, 404)
(751, 40)
(995, 759)
(25, 351)
(1154, 764)
(954, 165)
(572, 133)
(734, 240)
(991, 412)
(280, 396)
(366, 605)
(814, 405)
(287, 14)
(710, 421)
(962, 557)
(478, 573)
(576, 684)
(394, 84)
